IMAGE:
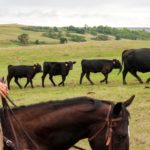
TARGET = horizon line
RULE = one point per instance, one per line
(18, 24)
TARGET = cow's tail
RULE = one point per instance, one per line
(120, 69)
(122, 61)
(123, 56)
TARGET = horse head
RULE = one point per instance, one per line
(115, 129)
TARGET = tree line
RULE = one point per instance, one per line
(78, 34)
(118, 33)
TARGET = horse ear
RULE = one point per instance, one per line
(74, 62)
(129, 101)
(117, 109)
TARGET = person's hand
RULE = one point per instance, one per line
(3, 89)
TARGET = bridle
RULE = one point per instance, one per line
(109, 125)
(8, 111)
(9, 143)
(108, 122)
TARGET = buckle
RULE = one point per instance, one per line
(9, 142)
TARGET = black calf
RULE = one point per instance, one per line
(56, 68)
(98, 65)
(22, 71)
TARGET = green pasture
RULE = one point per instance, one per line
(115, 90)
(9, 35)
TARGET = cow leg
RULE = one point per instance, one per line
(102, 80)
(16, 80)
(105, 79)
(51, 78)
(137, 77)
(88, 77)
(81, 77)
(124, 76)
(43, 78)
(63, 80)
(31, 83)
(148, 80)
(8, 81)
(27, 83)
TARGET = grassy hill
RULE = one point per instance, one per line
(11, 53)
(9, 35)
(52, 35)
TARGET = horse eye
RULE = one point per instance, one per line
(121, 138)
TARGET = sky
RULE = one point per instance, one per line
(115, 13)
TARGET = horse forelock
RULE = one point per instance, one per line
(125, 113)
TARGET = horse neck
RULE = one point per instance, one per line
(66, 122)
(45, 115)
(72, 123)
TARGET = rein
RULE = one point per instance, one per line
(6, 109)
(9, 112)
(10, 143)
(109, 124)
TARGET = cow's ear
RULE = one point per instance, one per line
(34, 66)
(74, 62)
(114, 61)
(66, 64)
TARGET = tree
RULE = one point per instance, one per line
(118, 37)
(55, 29)
(37, 42)
(63, 40)
(23, 39)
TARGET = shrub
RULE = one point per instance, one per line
(50, 34)
(63, 40)
(23, 39)
(37, 42)
(118, 37)
(77, 38)
(101, 38)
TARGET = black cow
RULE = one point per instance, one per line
(99, 65)
(56, 68)
(136, 60)
(22, 71)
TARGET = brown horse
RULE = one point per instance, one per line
(59, 125)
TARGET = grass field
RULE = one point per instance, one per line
(115, 91)
(9, 34)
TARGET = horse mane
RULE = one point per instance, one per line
(57, 104)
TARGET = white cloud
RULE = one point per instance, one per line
(79, 12)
